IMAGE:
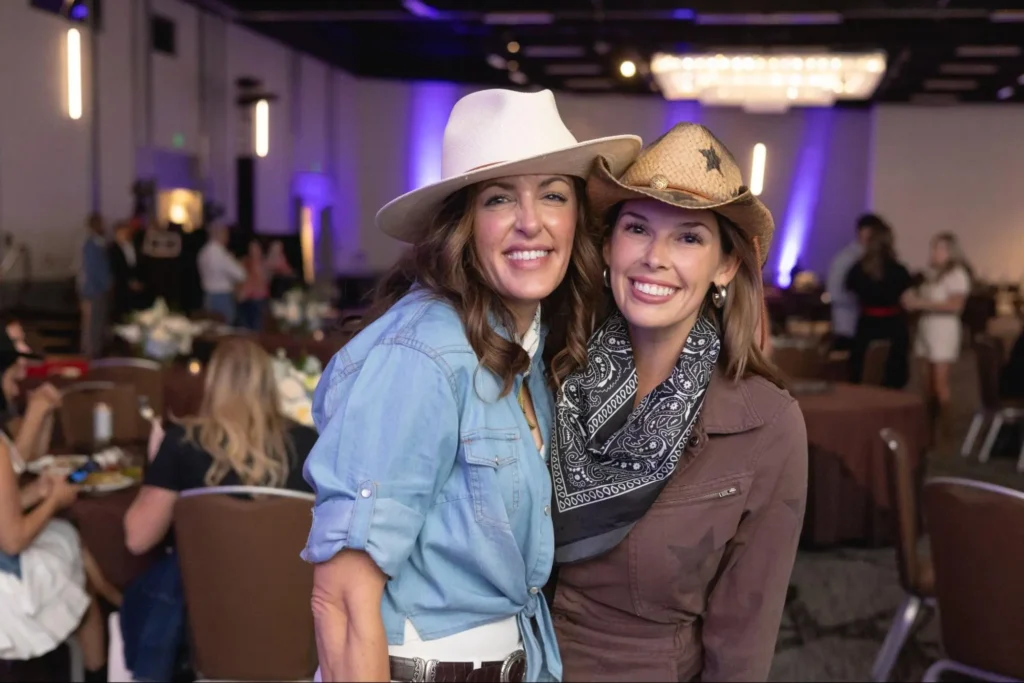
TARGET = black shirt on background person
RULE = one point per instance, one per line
(181, 464)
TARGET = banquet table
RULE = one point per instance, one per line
(848, 498)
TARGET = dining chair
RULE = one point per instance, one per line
(915, 567)
(977, 538)
(997, 411)
(76, 412)
(246, 589)
(145, 375)
(875, 359)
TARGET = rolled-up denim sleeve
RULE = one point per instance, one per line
(388, 437)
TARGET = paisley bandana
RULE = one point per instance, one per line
(609, 461)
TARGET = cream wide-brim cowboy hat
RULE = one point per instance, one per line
(496, 133)
(690, 168)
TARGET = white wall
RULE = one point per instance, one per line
(176, 80)
(954, 170)
(44, 155)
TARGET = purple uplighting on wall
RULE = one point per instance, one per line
(431, 103)
(680, 111)
(805, 190)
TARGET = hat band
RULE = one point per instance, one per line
(648, 188)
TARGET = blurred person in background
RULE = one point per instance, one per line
(845, 307)
(129, 292)
(282, 275)
(220, 273)
(255, 288)
(879, 281)
(94, 284)
(940, 300)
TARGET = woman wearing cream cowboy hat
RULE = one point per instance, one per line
(432, 532)
(679, 463)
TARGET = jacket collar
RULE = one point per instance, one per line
(728, 407)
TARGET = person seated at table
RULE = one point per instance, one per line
(239, 437)
(31, 431)
(44, 598)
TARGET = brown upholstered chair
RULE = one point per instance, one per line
(246, 590)
(988, 353)
(145, 375)
(977, 537)
(915, 567)
(875, 358)
(76, 412)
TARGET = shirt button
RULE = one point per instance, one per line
(366, 493)
(547, 509)
(534, 590)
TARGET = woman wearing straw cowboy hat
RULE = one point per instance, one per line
(679, 464)
(432, 532)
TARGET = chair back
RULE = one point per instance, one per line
(977, 540)
(875, 358)
(76, 412)
(145, 375)
(246, 589)
(988, 354)
(902, 480)
(798, 362)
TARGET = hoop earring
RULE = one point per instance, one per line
(607, 279)
(719, 293)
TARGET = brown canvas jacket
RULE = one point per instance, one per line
(696, 590)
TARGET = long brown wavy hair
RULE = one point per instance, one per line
(444, 263)
(239, 423)
(741, 321)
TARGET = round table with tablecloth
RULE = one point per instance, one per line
(848, 498)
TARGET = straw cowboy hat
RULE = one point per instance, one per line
(690, 168)
(496, 133)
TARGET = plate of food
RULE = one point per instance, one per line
(60, 463)
(107, 481)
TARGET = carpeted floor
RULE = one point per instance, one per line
(845, 599)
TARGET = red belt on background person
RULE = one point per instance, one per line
(881, 311)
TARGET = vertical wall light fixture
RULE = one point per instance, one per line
(757, 169)
(74, 75)
(261, 128)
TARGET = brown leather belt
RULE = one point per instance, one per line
(416, 670)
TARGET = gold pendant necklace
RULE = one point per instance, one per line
(522, 406)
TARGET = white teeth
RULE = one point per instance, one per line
(526, 255)
(654, 290)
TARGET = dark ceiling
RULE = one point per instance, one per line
(939, 51)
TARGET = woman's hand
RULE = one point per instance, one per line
(62, 492)
(911, 301)
(44, 399)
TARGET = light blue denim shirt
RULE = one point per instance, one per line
(421, 464)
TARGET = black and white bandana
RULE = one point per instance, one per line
(609, 461)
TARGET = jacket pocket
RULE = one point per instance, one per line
(677, 549)
(492, 472)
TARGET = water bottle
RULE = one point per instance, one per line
(102, 425)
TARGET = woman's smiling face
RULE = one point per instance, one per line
(662, 260)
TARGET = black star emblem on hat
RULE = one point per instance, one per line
(714, 161)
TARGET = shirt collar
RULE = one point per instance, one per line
(728, 407)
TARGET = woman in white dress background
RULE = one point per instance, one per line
(940, 299)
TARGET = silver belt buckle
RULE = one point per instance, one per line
(510, 661)
(425, 671)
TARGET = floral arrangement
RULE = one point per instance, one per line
(160, 334)
(296, 382)
(299, 311)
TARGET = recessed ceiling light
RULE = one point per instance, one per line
(496, 61)
(1020, 79)
(513, 65)
(512, 47)
(518, 77)
(627, 69)
(1005, 93)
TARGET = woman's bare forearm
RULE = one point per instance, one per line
(350, 651)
